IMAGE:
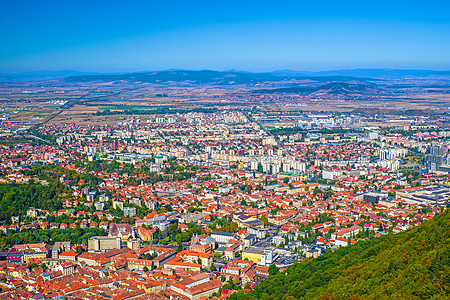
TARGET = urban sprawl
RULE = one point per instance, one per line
(198, 205)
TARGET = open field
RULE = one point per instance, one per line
(86, 101)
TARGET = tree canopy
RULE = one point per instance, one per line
(409, 265)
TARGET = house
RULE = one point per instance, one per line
(183, 227)
(341, 242)
(262, 271)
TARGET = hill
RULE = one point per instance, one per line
(410, 265)
(228, 77)
(197, 77)
(42, 75)
(372, 73)
(205, 77)
(334, 88)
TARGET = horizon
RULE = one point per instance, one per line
(255, 36)
(224, 70)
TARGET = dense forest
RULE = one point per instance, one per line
(16, 199)
(156, 111)
(172, 172)
(52, 174)
(76, 236)
(409, 265)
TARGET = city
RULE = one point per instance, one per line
(200, 204)
(224, 150)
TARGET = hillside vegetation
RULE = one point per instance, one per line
(334, 88)
(410, 265)
(206, 77)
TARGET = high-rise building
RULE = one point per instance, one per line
(384, 154)
(435, 157)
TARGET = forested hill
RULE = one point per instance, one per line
(409, 265)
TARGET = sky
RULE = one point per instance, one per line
(131, 35)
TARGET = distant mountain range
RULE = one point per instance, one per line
(371, 73)
(198, 77)
(333, 88)
(43, 75)
(226, 77)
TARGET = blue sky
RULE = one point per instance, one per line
(125, 36)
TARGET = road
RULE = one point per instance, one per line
(37, 138)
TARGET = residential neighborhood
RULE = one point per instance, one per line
(200, 205)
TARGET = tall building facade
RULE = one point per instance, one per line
(436, 156)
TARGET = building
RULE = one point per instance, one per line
(435, 157)
(202, 244)
(260, 255)
(253, 254)
(223, 237)
(103, 243)
(147, 234)
(123, 230)
(384, 154)
(99, 205)
(15, 256)
(178, 264)
(139, 264)
(374, 198)
(134, 244)
(236, 268)
(69, 255)
(347, 232)
(249, 240)
(246, 221)
(196, 287)
(230, 252)
(206, 259)
(129, 211)
(59, 247)
(33, 252)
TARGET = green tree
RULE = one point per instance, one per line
(179, 247)
(273, 270)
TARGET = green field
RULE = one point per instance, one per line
(127, 108)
